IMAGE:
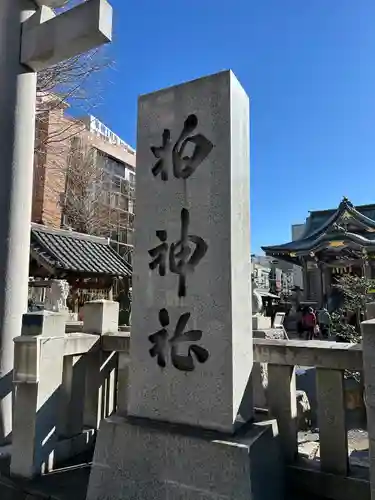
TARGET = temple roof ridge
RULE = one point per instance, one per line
(345, 206)
(334, 228)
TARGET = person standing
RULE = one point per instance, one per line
(324, 320)
(310, 323)
(299, 321)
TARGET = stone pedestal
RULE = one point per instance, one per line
(261, 322)
(142, 460)
(100, 316)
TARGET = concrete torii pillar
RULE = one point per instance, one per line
(32, 38)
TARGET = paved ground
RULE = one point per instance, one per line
(358, 443)
(69, 483)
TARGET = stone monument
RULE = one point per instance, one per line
(189, 432)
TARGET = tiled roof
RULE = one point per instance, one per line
(327, 226)
(320, 218)
(75, 252)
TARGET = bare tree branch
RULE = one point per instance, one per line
(66, 168)
(92, 202)
(76, 82)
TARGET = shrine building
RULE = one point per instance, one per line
(331, 243)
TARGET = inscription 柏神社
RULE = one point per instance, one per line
(183, 166)
(183, 362)
(182, 259)
(182, 256)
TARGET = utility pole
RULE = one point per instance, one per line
(32, 38)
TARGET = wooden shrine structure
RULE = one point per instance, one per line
(334, 242)
(88, 263)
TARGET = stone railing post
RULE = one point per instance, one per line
(282, 400)
(331, 419)
(368, 349)
(99, 317)
(72, 397)
(123, 380)
(370, 310)
(37, 377)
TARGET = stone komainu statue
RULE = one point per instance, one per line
(56, 296)
(256, 300)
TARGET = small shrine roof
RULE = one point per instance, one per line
(79, 253)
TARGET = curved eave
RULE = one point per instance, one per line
(283, 254)
(345, 206)
(363, 219)
(351, 239)
(293, 251)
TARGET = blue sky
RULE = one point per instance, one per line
(308, 67)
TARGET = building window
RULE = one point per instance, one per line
(111, 203)
(111, 165)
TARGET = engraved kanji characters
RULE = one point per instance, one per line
(160, 341)
(183, 165)
(182, 258)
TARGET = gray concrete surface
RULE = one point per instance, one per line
(68, 483)
(136, 459)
